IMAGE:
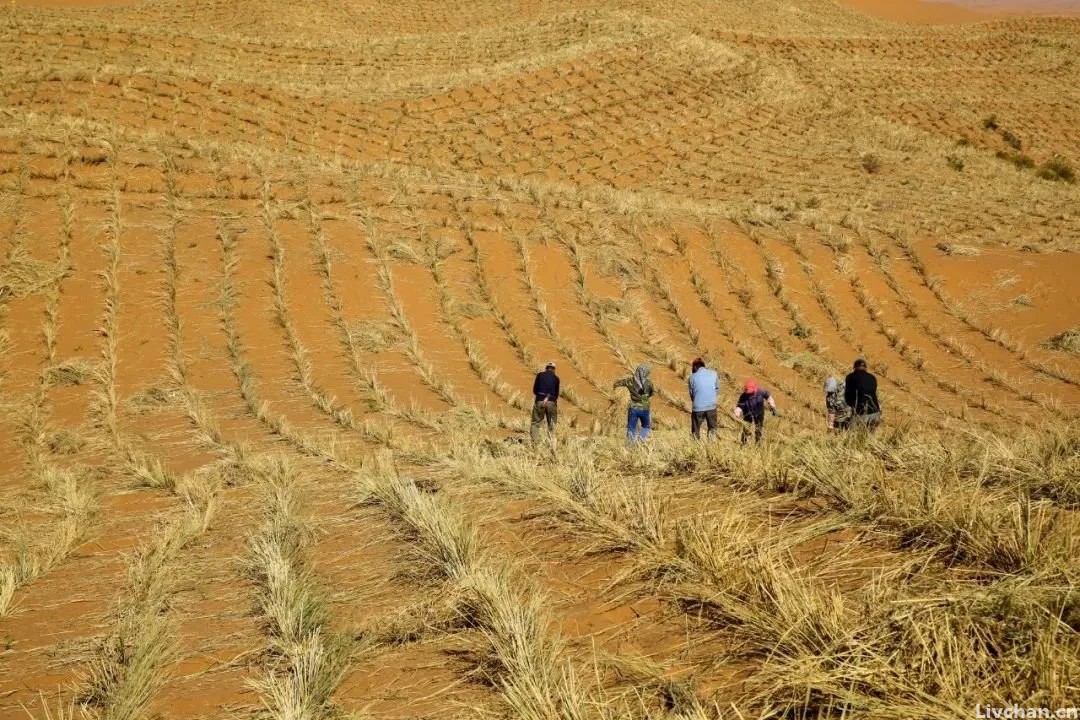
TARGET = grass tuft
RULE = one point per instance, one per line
(306, 661)
(65, 442)
(1057, 168)
(75, 371)
(1066, 342)
(22, 275)
(1018, 159)
(961, 250)
(871, 163)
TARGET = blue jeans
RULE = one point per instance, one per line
(633, 416)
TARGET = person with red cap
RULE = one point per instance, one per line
(750, 408)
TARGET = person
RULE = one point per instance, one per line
(860, 394)
(641, 392)
(750, 408)
(838, 414)
(704, 386)
(545, 402)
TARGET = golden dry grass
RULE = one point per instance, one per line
(275, 281)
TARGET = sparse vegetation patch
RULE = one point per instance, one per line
(953, 249)
(1066, 342)
(74, 371)
(21, 274)
(871, 163)
(1057, 169)
(276, 284)
(1018, 159)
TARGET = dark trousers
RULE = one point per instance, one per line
(708, 417)
(758, 427)
(867, 421)
(543, 412)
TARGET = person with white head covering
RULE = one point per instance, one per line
(838, 414)
(641, 392)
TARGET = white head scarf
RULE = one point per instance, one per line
(641, 374)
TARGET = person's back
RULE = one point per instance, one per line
(641, 392)
(546, 386)
(837, 411)
(860, 392)
(704, 386)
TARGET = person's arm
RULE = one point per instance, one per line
(536, 385)
(771, 403)
(830, 420)
(873, 395)
(851, 395)
(690, 385)
(558, 386)
(737, 412)
(649, 388)
(625, 382)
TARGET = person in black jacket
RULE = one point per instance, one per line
(545, 402)
(860, 394)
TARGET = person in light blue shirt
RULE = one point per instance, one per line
(704, 387)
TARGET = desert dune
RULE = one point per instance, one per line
(276, 280)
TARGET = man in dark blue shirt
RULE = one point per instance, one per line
(545, 402)
(750, 408)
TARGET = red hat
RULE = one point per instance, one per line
(750, 386)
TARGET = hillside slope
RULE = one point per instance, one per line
(275, 280)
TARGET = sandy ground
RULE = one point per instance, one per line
(333, 231)
(926, 13)
(970, 11)
(74, 4)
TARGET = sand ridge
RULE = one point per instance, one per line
(275, 281)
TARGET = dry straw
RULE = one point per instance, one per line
(535, 680)
(916, 637)
(306, 660)
(70, 499)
